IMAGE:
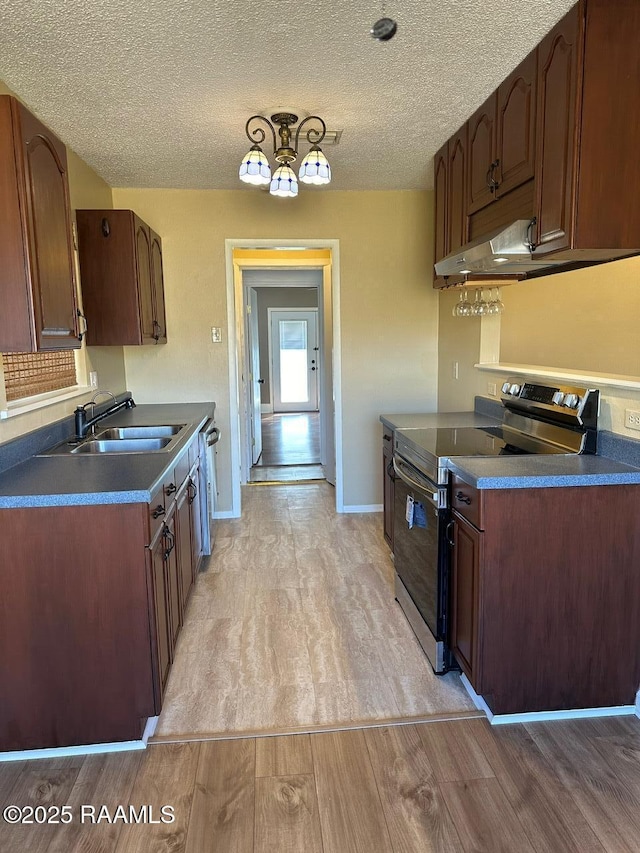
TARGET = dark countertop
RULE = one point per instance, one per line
(536, 472)
(70, 479)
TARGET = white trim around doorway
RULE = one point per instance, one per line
(234, 306)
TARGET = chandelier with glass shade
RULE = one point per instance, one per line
(314, 168)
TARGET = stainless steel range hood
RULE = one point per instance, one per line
(502, 253)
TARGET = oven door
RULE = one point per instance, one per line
(420, 557)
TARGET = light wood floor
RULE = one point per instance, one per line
(294, 626)
(290, 438)
(459, 787)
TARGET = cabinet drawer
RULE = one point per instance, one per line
(467, 501)
(157, 512)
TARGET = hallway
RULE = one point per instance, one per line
(290, 448)
(294, 627)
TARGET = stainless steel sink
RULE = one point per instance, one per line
(139, 432)
(121, 445)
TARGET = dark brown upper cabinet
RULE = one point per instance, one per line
(483, 164)
(516, 127)
(502, 138)
(457, 206)
(121, 278)
(451, 221)
(37, 282)
(587, 163)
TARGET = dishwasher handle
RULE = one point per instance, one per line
(413, 478)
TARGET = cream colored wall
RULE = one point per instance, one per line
(388, 310)
(584, 320)
(86, 189)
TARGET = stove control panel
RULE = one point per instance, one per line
(570, 403)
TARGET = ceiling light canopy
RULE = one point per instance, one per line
(314, 168)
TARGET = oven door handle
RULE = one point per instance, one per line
(425, 486)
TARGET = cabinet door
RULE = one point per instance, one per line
(161, 648)
(456, 190)
(440, 169)
(516, 126)
(172, 577)
(143, 274)
(482, 156)
(559, 74)
(184, 549)
(48, 312)
(467, 544)
(157, 289)
(389, 487)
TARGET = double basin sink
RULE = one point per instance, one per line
(134, 439)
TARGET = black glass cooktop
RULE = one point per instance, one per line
(446, 442)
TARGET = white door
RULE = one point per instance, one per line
(295, 359)
(254, 375)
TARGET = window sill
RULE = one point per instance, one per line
(40, 401)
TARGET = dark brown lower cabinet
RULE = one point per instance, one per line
(465, 578)
(184, 546)
(545, 604)
(92, 604)
(160, 626)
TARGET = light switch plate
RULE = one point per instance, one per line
(93, 379)
(216, 334)
(492, 389)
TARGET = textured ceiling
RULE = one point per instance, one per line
(157, 94)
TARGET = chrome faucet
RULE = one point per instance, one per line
(83, 425)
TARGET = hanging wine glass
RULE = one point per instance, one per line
(464, 305)
(457, 308)
(496, 306)
(480, 305)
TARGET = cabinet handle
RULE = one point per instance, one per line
(81, 316)
(448, 534)
(170, 489)
(214, 434)
(156, 329)
(491, 181)
(158, 511)
(391, 473)
(530, 242)
(193, 486)
(463, 499)
(172, 542)
(386, 437)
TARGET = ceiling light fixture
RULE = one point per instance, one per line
(314, 168)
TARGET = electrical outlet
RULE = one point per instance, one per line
(631, 419)
(93, 379)
(492, 389)
(216, 334)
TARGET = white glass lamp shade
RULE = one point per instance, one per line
(315, 168)
(255, 168)
(284, 183)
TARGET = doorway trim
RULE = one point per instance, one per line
(235, 325)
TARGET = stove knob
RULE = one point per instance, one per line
(514, 390)
(505, 387)
(558, 398)
(571, 401)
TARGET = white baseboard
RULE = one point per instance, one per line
(638, 704)
(85, 749)
(225, 513)
(362, 508)
(544, 716)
